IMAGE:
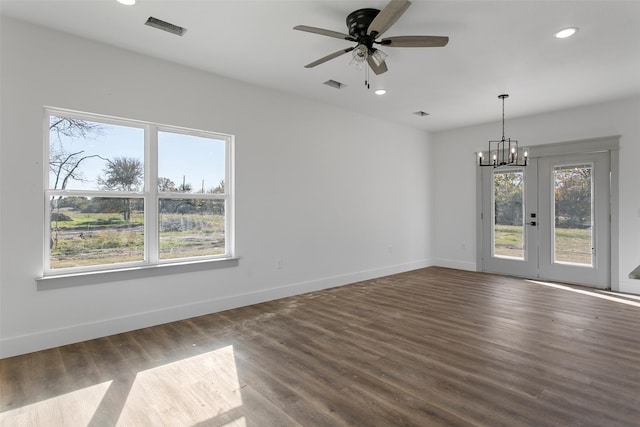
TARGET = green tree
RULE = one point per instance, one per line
(573, 196)
(124, 174)
(508, 198)
(219, 188)
(185, 187)
(165, 184)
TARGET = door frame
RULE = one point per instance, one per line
(528, 265)
(583, 146)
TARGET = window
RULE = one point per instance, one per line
(123, 193)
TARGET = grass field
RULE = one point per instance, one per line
(105, 238)
(572, 245)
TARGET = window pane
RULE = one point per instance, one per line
(508, 192)
(573, 219)
(191, 227)
(190, 164)
(86, 155)
(95, 231)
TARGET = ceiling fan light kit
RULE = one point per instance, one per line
(365, 27)
(505, 151)
(378, 57)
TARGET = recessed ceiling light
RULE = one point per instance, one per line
(380, 92)
(566, 32)
(127, 2)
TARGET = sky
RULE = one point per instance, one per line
(195, 158)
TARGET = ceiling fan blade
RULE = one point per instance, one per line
(378, 69)
(329, 57)
(415, 41)
(387, 17)
(324, 32)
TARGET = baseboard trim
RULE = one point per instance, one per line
(629, 286)
(22, 344)
(452, 263)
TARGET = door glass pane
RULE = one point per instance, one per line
(573, 214)
(508, 197)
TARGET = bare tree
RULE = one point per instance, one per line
(74, 128)
(65, 165)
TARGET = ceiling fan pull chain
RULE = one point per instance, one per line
(366, 77)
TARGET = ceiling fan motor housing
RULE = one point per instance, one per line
(358, 22)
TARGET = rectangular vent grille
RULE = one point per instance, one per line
(334, 84)
(421, 113)
(165, 26)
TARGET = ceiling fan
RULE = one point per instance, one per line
(365, 28)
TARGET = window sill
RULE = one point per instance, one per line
(95, 277)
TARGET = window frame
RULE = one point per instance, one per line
(149, 194)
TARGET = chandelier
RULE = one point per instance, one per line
(505, 151)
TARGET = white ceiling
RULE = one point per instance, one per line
(495, 47)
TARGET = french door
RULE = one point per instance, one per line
(549, 220)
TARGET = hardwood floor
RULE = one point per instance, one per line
(424, 348)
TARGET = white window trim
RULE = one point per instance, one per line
(151, 265)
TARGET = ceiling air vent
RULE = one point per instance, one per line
(334, 84)
(165, 26)
(421, 113)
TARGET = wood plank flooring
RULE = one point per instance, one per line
(425, 348)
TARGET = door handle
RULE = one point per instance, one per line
(533, 223)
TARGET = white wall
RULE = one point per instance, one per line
(326, 190)
(455, 192)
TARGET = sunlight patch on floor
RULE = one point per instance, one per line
(240, 422)
(71, 409)
(185, 392)
(594, 293)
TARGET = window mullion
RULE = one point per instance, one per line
(229, 193)
(151, 195)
